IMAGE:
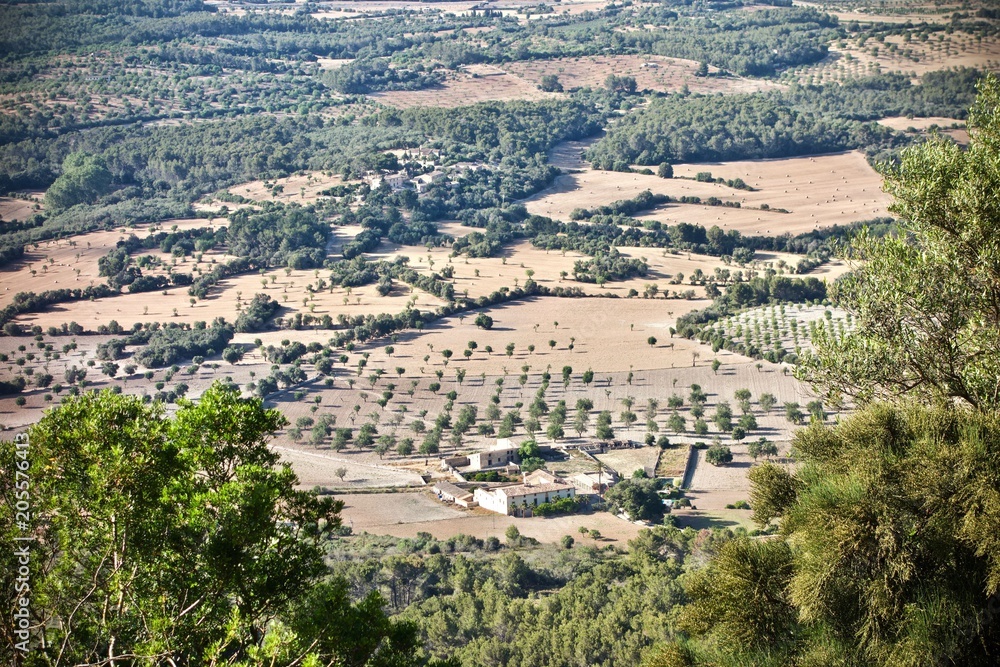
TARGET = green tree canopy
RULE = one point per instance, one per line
(84, 178)
(889, 549)
(926, 318)
(177, 540)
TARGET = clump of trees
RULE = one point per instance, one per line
(84, 178)
(638, 498)
(202, 540)
(278, 235)
(167, 346)
(256, 314)
(921, 465)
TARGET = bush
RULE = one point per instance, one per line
(719, 455)
(559, 506)
(256, 314)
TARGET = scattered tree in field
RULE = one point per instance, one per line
(719, 455)
(676, 422)
(723, 417)
(747, 422)
(793, 413)
(549, 83)
(405, 447)
(604, 431)
(762, 447)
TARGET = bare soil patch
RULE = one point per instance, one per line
(316, 468)
(19, 209)
(290, 289)
(464, 88)
(406, 514)
(301, 188)
(72, 263)
(657, 73)
(949, 127)
(817, 191)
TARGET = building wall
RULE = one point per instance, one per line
(534, 499)
(498, 501)
(493, 458)
(495, 502)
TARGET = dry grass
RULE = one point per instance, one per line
(672, 462)
(949, 127)
(20, 209)
(801, 186)
(656, 73)
(404, 515)
(463, 88)
(520, 80)
(627, 461)
(302, 188)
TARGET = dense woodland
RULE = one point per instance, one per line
(804, 120)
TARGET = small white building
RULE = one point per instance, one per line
(591, 482)
(424, 181)
(493, 458)
(397, 181)
(462, 168)
(450, 493)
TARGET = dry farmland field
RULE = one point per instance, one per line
(473, 84)
(816, 191)
(620, 334)
(19, 209)
(405, 515)
(603, 331)
(656, 73)
(520, 81)
(949, 127)
(852, 61)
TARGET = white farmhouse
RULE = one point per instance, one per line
(397, 181)
(510, 499)
(493, 458)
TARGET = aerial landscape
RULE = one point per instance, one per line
(455, 333)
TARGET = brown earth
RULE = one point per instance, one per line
(802, 186)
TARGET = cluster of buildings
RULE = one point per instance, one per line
(428, 160)
(519, 499)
